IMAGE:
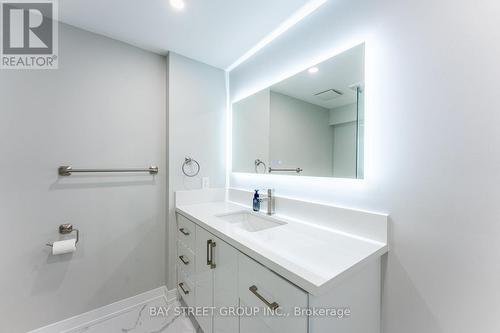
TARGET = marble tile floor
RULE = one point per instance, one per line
(139, 320)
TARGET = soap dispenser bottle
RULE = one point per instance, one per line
(256, 201)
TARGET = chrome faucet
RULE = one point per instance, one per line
(271, 201)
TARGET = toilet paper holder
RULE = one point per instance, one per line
(65, 229)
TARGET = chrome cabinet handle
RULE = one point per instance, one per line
(181, 285)
(184, 232)
(184, 260)
(212, 257)
(273, 306)
(210, 253)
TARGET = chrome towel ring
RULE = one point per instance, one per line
(190, 161)
(258, 163)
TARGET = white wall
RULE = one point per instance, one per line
(433, 158)
(196, 128)
(251, 121)
(300, 136)
(343, 114)
(104, 107)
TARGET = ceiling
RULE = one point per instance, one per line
(339, 73)
(216, 32)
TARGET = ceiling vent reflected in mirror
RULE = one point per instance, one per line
(329, 94)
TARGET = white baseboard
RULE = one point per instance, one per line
(108, 311)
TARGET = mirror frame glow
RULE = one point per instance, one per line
(271, 82)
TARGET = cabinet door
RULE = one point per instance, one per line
(263, 289)
(185, 287)
(225, 287)
(204, 276)
(185, 232)
(254, 324)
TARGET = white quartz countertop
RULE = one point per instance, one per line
(313, 257)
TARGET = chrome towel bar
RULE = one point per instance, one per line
(67, 170)
(297, 170)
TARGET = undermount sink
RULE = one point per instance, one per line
(251, 222)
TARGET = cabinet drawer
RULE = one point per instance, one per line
(185, 231)
(260, 287)
(185, 287)
(185, 258)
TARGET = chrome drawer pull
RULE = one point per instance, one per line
(184, 232)
(184, 260)
(210, 254)
(273, 306)
(181, 285)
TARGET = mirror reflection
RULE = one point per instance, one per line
(311, 124)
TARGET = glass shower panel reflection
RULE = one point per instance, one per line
(360, 140)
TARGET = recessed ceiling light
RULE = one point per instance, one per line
(313, 70)
(177, 4)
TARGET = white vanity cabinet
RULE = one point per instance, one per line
(210, 280)
(213, 274)
(185, 259)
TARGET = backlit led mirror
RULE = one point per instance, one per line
(310, 124)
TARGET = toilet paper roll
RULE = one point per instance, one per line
(65, 246)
